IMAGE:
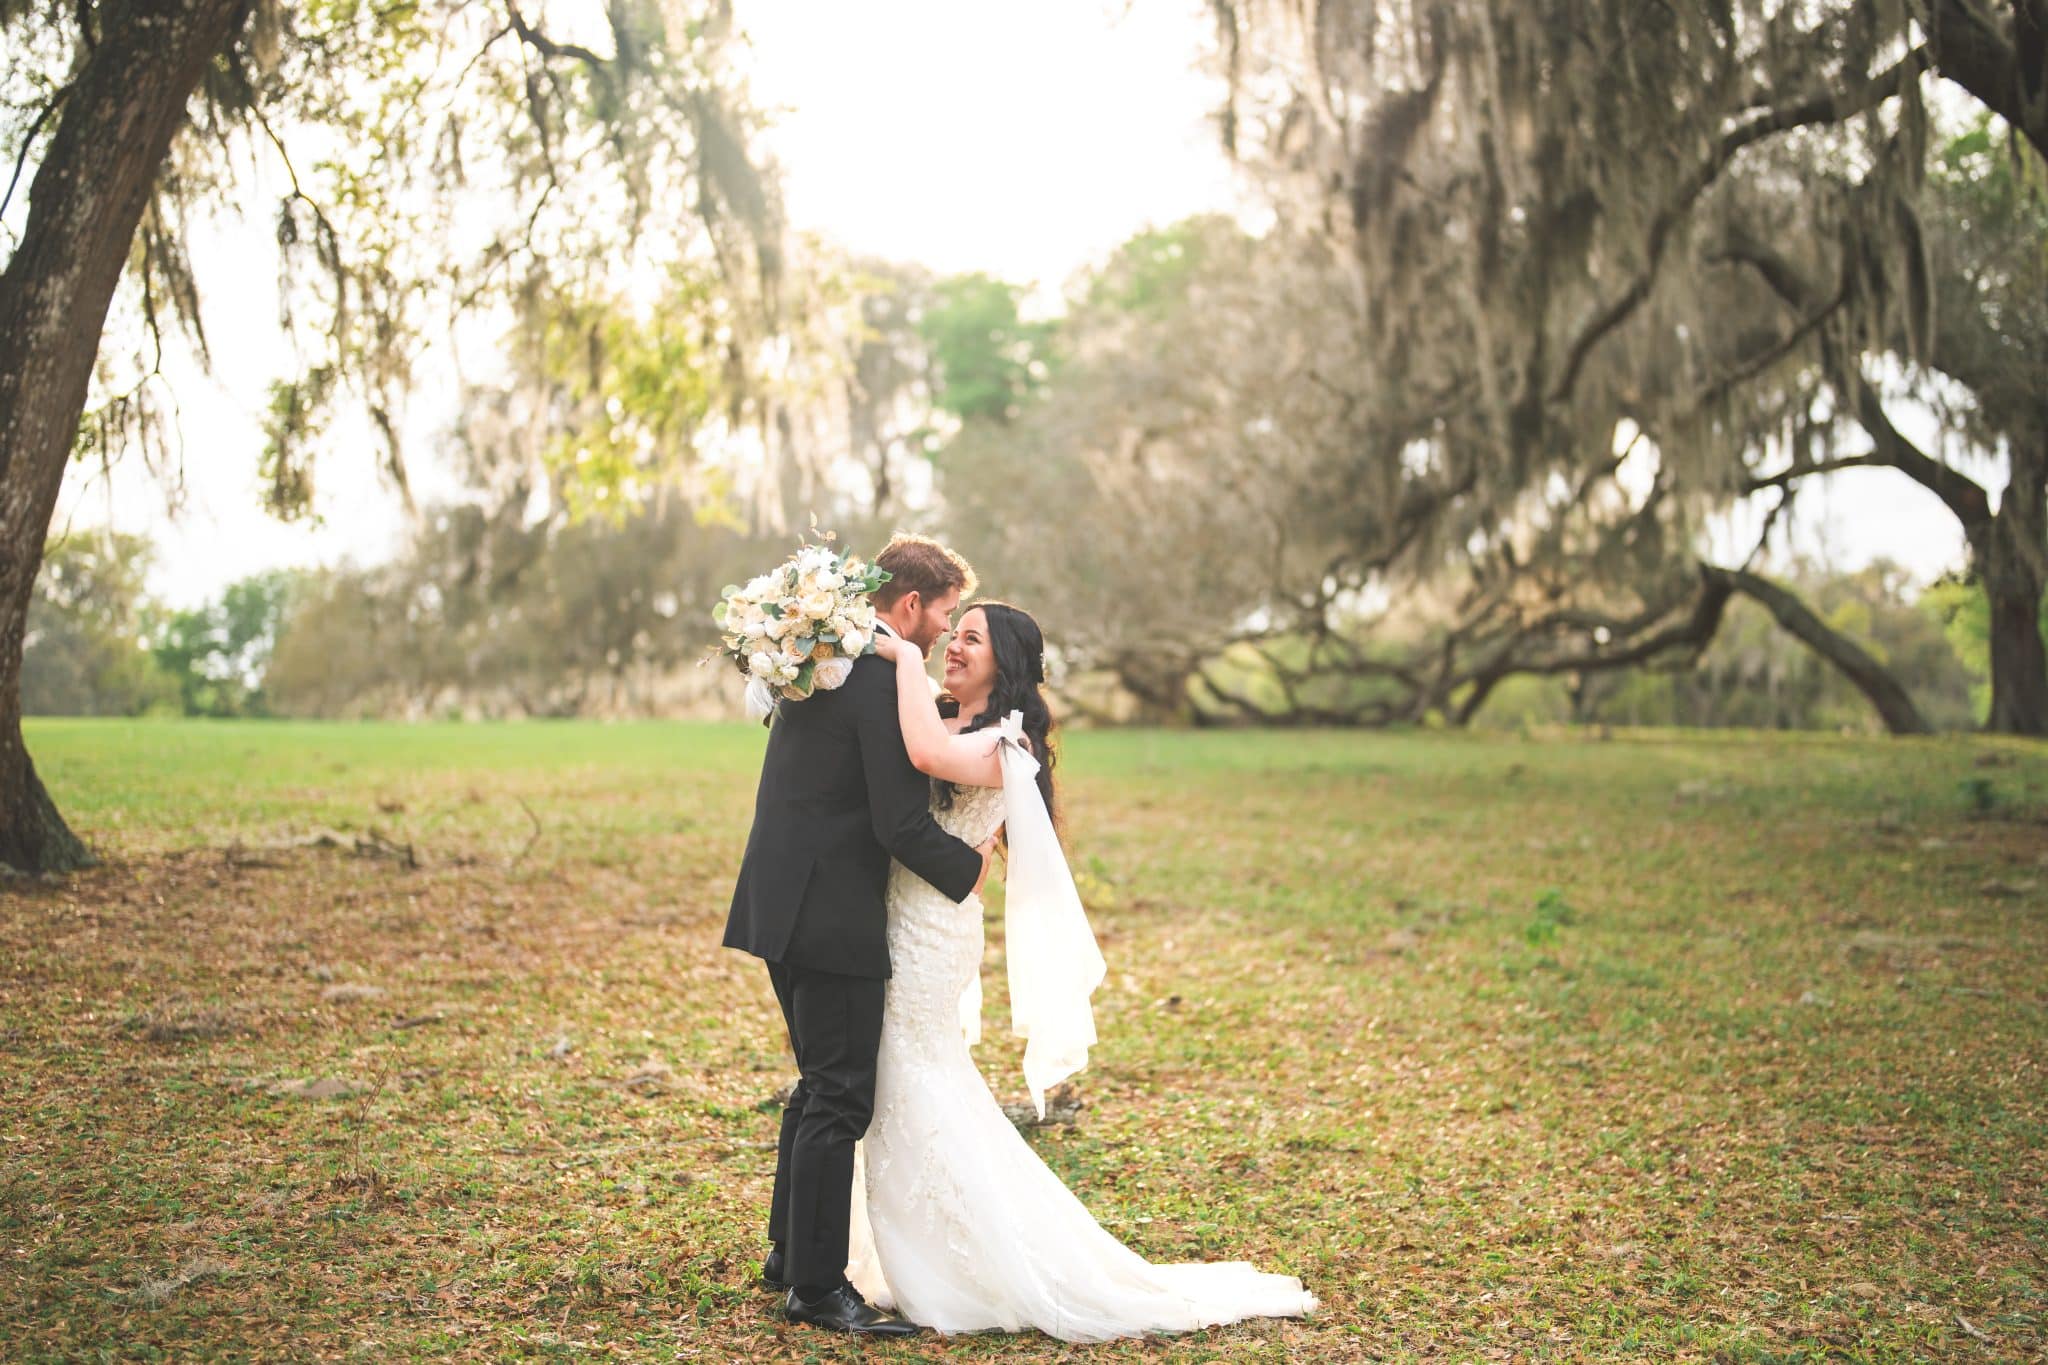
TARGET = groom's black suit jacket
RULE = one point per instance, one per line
(838, 798)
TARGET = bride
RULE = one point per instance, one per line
(964, 1229)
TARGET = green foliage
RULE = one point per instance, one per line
(1987, 211)
(1551, 913)
(83, 654)
(637, 382)
(1174, 461)
(218, 654)
(485, 614)
(98, 644)
(1994, 175)
(1286, 675)
(431, 163)
(1756, 675)
(987, 360)
(1980, 794)
(1963, 610)
(292, 427)
(1753, 675)
(1151, 273)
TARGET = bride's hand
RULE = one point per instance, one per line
(987, 850)
(895, 647)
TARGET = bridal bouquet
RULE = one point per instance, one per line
(799, 627)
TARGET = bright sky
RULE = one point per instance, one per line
(1021, 137)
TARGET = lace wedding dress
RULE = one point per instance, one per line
(956, 1222)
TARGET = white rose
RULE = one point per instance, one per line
(830, 581)
(762, 664)
(754, 630)
(831, 673)
(852, 641)
(820, 605)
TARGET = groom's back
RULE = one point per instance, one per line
(812, 886)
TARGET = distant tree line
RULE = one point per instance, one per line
(581, 630)
(99, 645)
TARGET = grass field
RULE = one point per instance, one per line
(1716, 1047)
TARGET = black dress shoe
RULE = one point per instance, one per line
(844, 1310)
(772, 1272)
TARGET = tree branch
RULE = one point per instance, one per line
(1695, 632)
(1785, 477)
(1964, 496)
(547, 47)
(1771, 355)
(1831, 107)
(29, 140)
(1853, 661)
(2004, 70)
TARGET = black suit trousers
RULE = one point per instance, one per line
(835, 1029)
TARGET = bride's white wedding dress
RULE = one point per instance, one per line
(963, 1228)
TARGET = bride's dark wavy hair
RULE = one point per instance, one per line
(1019, 648)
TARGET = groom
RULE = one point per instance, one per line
(838, 799)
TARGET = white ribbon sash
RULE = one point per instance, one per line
(1055, 964)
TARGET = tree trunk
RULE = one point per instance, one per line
(2011, 557)
(112, 136)
(33, 836)
(1481, 688)
(1855, 663)
(1159, 684)
(2008, 549)
(2019, 679)
(2007, 70)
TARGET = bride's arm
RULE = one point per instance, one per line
(968, 760)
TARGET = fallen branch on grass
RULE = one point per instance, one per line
(154, 1292)
(374, 844)
(531, 839)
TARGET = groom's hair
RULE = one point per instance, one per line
(921, 565)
